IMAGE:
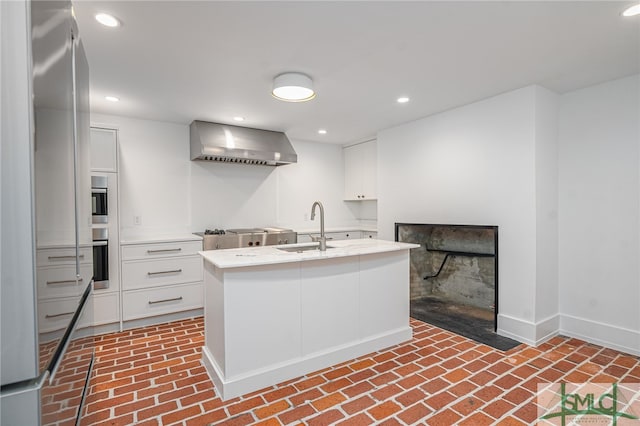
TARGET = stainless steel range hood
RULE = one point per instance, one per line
(234, 144)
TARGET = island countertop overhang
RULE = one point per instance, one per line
(268, 255)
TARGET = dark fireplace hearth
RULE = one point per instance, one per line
(454, 278)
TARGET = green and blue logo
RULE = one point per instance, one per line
(589, 401)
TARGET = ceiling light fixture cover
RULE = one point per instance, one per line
(632, 11)
(107, 20)
(322, 131)
(238, 118)
(403, 100)
(112, 98)
(293, 87)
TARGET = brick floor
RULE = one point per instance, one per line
(153, 376)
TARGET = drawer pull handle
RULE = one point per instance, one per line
(65, 257)
(163, 250)
(174, 271)
(153, 302)
(64, 282)
(59, 315)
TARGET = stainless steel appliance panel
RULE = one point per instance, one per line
(100, 258)
(247, 237)
(60, 148)
(99, 199)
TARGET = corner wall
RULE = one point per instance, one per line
(546, 123)
(472, 165)
(599, 193)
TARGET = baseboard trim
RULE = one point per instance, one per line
(517, 329)
(230, 387)
(159, 319)
(599, 333)
(547, 328)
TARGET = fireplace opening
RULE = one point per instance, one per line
(454, 279)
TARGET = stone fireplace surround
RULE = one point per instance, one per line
(456, 265)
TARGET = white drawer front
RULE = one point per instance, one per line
(60, 281)
(101, 309)
(56, 314)
(151, 273)
(373, 235)
(159, 301)
(63, 256)
(152, 251)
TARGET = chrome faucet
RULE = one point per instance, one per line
(323, 238)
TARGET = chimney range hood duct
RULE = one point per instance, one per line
(242, 145)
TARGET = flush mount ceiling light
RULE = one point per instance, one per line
(112, 98)
(107, 20)
(293, 87)
(402, 100)
(238, 118)
(322, 131)
(632, 11)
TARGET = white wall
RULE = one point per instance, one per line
(546, 119)
(599, 187)
(172, 194)
(477, 165)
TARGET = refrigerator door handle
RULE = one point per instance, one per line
(28, 385)
(61, 349)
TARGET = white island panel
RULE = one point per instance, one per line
(263, 329)
(329, 304)
(384, 304)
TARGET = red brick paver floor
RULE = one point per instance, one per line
(153, 376)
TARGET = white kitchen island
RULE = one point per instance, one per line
(272, 315)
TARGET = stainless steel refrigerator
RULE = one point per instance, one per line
(46, 351)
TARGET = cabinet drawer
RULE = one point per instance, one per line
(55, 314)
(63, 256)
(151, 273)
(159, 301)
(101, 309)
(160, 250)
(370, 235)
(61, 281)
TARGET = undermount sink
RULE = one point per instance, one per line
(301, 249)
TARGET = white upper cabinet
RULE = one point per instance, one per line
(360, 171)
(104, 153)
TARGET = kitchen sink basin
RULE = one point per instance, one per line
(301, 249)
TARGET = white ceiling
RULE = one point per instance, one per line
(178, 61)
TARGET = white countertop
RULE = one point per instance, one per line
(169, 238)
(252, 256)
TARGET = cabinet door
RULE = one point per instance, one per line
(360, 171)
(352, 172)
(369, 170)
(104, 157)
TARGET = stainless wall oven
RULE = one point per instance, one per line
(99, 199)
(100, 258)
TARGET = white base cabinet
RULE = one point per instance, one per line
(161, 278)
(336, 236)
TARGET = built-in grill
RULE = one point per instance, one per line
(246, 237)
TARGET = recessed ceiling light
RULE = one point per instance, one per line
(112, 98)
(632, 11)
(238, 118)
(322, 131)
(107, 20)
(403, 100)
(293, 87)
